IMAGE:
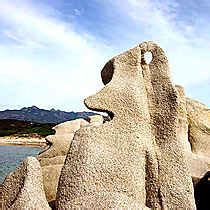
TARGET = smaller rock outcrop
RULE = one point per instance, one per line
(192, 132)
(199, 127)
(23, 188)
(59, 143)
(198, 116)
(53, 157)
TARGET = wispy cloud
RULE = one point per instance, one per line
(58, 73)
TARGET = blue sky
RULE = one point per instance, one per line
(52, 51)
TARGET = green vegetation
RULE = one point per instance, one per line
(25, 129)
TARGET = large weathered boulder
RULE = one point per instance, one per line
(53, 157)
(193, 117)
(198, 116)
(23, 188)
(136, 160)
(199, 127)
(59, 145)
(60, 142)
(70, 126)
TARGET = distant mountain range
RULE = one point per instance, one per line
(34, 114)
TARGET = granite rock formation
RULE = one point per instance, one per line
(141, 156)
(136, 160)
(23, 188)
(193, 126)
(193, 132)
(199, 127)
(53, 157)
(199, 137)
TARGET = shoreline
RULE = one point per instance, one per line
(23, 141)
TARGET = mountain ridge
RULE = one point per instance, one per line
(37, 115)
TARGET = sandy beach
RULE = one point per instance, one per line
(23, 141)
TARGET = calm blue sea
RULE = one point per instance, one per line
(12, 156)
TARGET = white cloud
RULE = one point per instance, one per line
(54, 63)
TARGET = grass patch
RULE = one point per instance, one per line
(25, 129)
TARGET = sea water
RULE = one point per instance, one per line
(12, 156)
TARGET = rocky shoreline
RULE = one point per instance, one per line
(22, 141)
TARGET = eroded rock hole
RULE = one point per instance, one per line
(148, 57)
(107, 72)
